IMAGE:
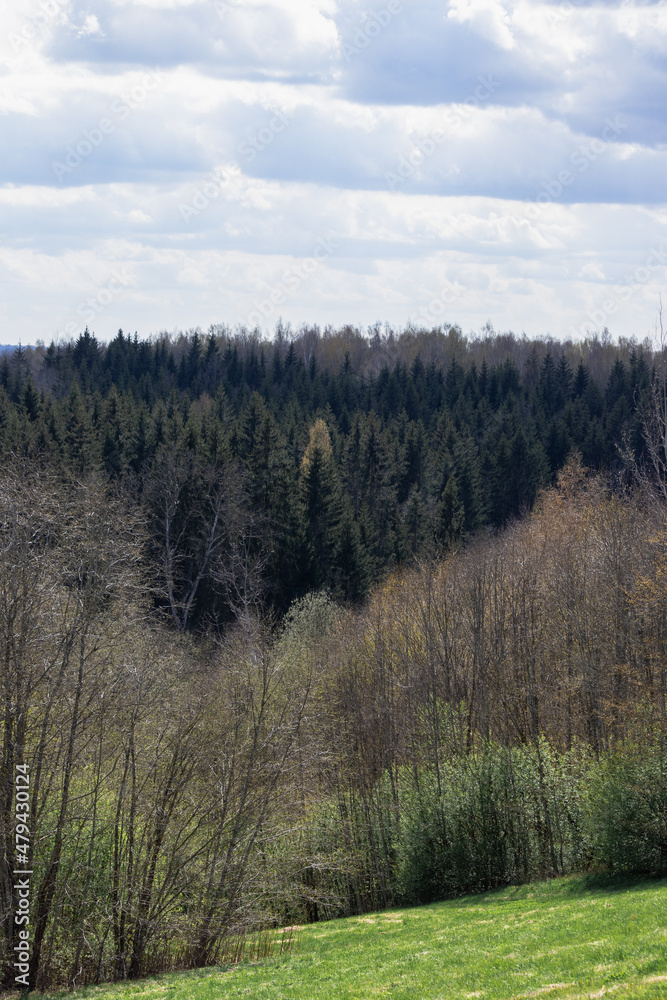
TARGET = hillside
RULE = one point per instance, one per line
(336, 456)
(255, 673)
(563, 940)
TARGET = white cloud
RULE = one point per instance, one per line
(90, 26)
(483, 206)
(489, 17)
(12, 102)
(646, 26)
(393, 256)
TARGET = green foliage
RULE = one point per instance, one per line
(308, 621)
(628, 808)
(491, 818)
(450, 514)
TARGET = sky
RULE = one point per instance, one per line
(170, 164)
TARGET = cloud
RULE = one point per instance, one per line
(488, 17)
(207, 145)
(174, 127)
(90, 26)
(394, 251)
(265, 40)
(11, 102)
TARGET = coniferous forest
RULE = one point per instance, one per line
(300, 628)
(332, 458)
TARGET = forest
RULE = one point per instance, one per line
(318, 460)
(302, 628)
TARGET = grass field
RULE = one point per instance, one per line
(563, 939)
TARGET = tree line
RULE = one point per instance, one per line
(319, 460)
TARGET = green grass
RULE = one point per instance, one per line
(563, 939)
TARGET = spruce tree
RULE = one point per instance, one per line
(322, 500)
(450, 515)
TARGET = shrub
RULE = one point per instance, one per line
(628, 808)
(499, 816)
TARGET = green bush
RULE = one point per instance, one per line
(500, 816)
(628, 808)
